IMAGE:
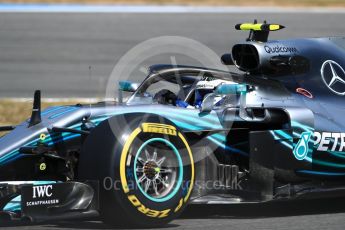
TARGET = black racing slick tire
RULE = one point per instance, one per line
(145, 168)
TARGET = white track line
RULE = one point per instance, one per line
(72, 8)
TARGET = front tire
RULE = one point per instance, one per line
(145, 168)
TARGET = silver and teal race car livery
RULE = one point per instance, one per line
(187, 135)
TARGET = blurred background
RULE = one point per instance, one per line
(197, 2)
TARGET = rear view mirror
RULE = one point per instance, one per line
(235, 89)
(207, 104)
(226, 89)
(128, 86)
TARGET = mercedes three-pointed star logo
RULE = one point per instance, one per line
(333, 75)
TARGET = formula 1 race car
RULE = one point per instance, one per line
(187, 135)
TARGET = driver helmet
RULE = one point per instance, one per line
(207, 86)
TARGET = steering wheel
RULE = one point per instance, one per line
(165, 97)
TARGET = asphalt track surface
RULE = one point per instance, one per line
(53, 52)
(314, 214)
